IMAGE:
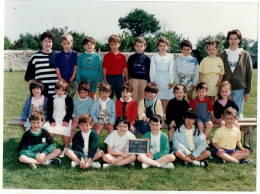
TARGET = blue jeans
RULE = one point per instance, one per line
(238, 98)
(142, 127)
(116, 81)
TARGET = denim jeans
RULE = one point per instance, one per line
(238, 98)
(116, 81)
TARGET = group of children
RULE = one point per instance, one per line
(140, 109)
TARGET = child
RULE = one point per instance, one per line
(90, 67)
(81, 105)
(59, 114)
(161, 72)
(176, 110)
(204, 109)
(66, 64)
(114, 65)
(37, 146)
(227, 137)
(186, 69)
(158, 146)
(126, 106)
(224, 101)
(41, 66)
(85, 145)
(147, 107)
(138, 66)
(189, 143)
(36, 102)
(211, 69)
(116, 141)
(103, 110)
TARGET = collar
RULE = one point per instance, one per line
(89, 53)
(130, 99)
(204, 100)
(69, 51)
(62, 97)
(83, 99)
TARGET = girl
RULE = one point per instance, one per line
(224, 101)
(161, 72)
(211, 69)
(189, 143)
(36, 102)
(103, 110)
(59, 114)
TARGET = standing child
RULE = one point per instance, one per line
(36, 102)
(224, 101)
(204, 109)
(126, 106)
(227, 138)
(59, 114)
(161, 72)
(212, 69)
(114, 65)
(103, 110)
(37, 146)
(90, 67)
(138, 66)
(66, 64)
(116, 141)
(189, 143)
(176, 110)
(85, 145)
(186, 69)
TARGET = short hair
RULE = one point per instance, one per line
(67, 37)
(123, 119)
(83, 86)
(202, 85)
(151, 88)
(230, 111)
(36, 84)
(224, 83)
(178, 87)
(140, 40)
(61, 85)
(212, 42)
(85, 118)
(163, 40)
(89, 39)
(190, 114)
(105, 87)
(47, 35)
(156, 118)
(237, 32)
(36, 115)
(126, 87)
(186, 43)
(114, 38)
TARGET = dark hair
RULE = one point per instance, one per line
(140, 40)
(47, 35)
(36, 84)
(83, 86)
(89, 39)
(163, 40)
(186, 43)
(202, 85)
(61, 85)
(230, 111)
(114, 38)
(212, 42)
(156, 118)
(151, 88)
(36, 115)
(178, 87)
(85, 118)
(224, 83)
(126, 87)
(105, 87)
(237, 32)
(123, 119)
(190, 114)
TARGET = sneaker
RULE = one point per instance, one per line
(62, 154)
(223, 161)
(55, 161)
(185, 163)
(247, 161)
(106, 165)
(144, 166)
(204, 163)
(33, 166)
(132, 163)
(74, 164)
(167, 165)
(210, 157)
(95, 165)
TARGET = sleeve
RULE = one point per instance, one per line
(216, 110)
(94, 112)
(25, 112)
(134, 112)
(164, 147)
(100, 70)
(124, 61)
(109, 139)
(76, 145)
(196, 72)
(222, 70)
(193, 104)
(45, 107)
(30, 72)
(201, 68)
(74, 108)
(130, 66)
(90, 105)
(234, 105)
(69, 109)
(210, 106)
(50, 110)
(105, 61)
(171, 70)
(78, 79)
(93, 144)
(249, 68)
(141, 110)
(75, 58)
(50, 142)
(152, 69)
(200, 145)
(159, 108)
(216, 137)
(238, 135)
(148, 62)
(177, 143)
(175, 73)
(22, 148)
(112, 116)
(57, 61)
(118, 108)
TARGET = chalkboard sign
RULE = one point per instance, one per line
(137, 146)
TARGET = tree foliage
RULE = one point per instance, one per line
(7, 44)
(28, 42)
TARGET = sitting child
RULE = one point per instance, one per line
(227, 138)
(85, 145)
(37, 146)
(103, 110)
(158, 154)
(189, 143)
(117, 144)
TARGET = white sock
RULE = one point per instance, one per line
(159, 165)
(196, 162)
(47, 162)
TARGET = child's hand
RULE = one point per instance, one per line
(169, 85)
(173, 124)
(82, 163)
(41, 158)
(21, 123)
(132, 128)
(149, 155)
(245, 150)
(147, 120)
(72, 79)
(192, 87)
(98, 125)
(65, 124)
(191, 156)
(125, 154)
(153, 83)
(63, 80)
(147, 139)
(218, 84)
(98, 84)
(53, 124)
(87, 165)
(221, 151)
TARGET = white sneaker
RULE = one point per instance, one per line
(132, 163)
(144, 166)
(74, 164)
(62, 154)
(167, 165)
(33, 166)
(106, 165)
(95, 165)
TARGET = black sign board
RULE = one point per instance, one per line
(137, 146)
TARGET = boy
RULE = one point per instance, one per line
(114, 65)
(37, 146)
(41, 66)
(204, 108)
(227, 137)
(126, 106)
(138, 66)
(66, 64)
(176, 109)
(147, 107)
(81, 105)
(85, 144)
(158, 146)
(116, 144)
(186, 69)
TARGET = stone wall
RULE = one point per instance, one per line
(15, 60)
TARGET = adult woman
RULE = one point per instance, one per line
(238, 69)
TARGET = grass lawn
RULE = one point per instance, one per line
(217, 177)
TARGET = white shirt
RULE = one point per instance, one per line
(233, 57)
(155, 143)
(103, 103)
(86, 141)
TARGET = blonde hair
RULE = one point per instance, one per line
(67, 37)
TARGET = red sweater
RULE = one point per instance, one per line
(114, 63)
(130, 110)
(193, 103)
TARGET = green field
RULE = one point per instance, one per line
(217, 177)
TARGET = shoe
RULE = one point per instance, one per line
(248, 161)
(224, 161)
(55, 161)
(185, 163)
(62, 154)
(33, 166)
(74, 164)
(95, 165)
(132, 163)
(144, 166)
(210, 157)
(167, 165)
(204, 163)
(106, 165)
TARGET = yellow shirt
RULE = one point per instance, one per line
(189, 134)
(227, 138)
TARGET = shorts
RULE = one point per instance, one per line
(204, 119)
(226, 151)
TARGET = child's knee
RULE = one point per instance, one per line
(132, 157)
(171, 157)
(22, 158)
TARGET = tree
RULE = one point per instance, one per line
(28, 42)
(127, 42)
(78, 41)
(7, 44)
(58, 32)
(139, 22)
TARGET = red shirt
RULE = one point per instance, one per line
(114, 63)
(130, 110)
(193, 103)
